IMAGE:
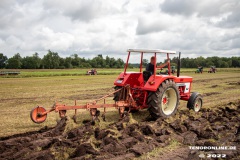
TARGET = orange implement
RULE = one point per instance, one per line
(37, 114)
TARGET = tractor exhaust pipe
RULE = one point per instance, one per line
(179, 64)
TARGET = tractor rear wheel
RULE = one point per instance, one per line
(195, 102)
(163, 102)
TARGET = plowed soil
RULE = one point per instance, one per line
(125, 140)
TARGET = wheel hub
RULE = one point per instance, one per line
(196, 105)
(165, 100)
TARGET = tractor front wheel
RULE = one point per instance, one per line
(195, 102)
(163, 102)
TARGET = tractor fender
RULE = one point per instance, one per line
(130, 78)
(153, 83)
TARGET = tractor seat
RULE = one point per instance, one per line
(146, 75)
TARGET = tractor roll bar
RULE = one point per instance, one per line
(126, 65)
(151, 51)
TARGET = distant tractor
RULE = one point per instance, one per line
(173, 69)
(212, 69)
(92, 72)
(159, 93)
(199, 70)
(163, 71)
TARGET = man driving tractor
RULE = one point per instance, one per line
(150, 66)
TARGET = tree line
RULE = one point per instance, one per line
(53, 61)
(219, 62)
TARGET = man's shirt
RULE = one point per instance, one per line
(150, 68)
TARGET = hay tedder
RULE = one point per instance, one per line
(159, 93)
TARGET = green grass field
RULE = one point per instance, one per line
(42, 87)
(79, 72)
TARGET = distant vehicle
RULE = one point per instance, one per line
(92, 72)
(199, 69)
(3, 73)
(173, 69)
(212, 69)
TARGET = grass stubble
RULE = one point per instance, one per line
(20, 95)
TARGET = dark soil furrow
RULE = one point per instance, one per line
(125, 140)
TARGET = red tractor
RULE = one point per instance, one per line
(159, 93)
(212, 69)
(92, 72)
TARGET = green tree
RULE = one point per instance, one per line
(112, 63)
(209, 64)
(200, 61)
(93, 63)
(75, 60)
(144, 62)
(86, 65)
(3, 60)
(107, 61)
(68, 62)
(224, 65)
(51, 60)
(236, 61)
(229, 63)
(28, 63)
(174, 60)
(37, 60)
(14, 62)
(31, 62)
(120, 63)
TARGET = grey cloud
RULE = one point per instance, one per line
(145, 27)
(85, 11)
(206, 8)
(80, 10)
(6, 3)
(8, 14)
(105, 27)
(226, 42)
(202, 8)
(231, 21)
(182, 7)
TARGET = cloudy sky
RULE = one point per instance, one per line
(109, 27)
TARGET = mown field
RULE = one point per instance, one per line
(80, 72)
(33, 87)
(20, 95)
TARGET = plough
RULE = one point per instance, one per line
(39, 114)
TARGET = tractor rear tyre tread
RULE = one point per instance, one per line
(154, 100)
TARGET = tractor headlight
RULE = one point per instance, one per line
(119, 81)
(151, 82)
